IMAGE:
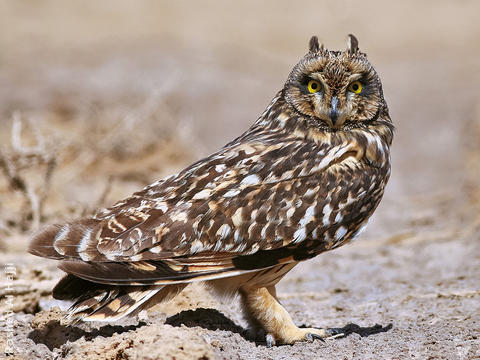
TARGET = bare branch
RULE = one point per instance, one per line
(16, 160)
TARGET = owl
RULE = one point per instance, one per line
(302, 180)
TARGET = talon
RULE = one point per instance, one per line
(270, 340)
(311, 336)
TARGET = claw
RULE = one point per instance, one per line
(270, 340)
(310, 337)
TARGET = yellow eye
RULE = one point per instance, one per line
(355, 87)
(314, 86)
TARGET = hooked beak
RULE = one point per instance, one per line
(334, 110)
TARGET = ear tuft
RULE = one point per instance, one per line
(314, 45)
(352, 44)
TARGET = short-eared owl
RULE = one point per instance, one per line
(303, 179)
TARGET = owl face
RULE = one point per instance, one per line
(335, 89)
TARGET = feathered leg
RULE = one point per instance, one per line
(262, 305)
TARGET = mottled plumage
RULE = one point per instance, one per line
(303, 179)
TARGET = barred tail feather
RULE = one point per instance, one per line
(100, 302)
(118, 304)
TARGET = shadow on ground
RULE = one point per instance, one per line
(209, 319)
(212, 319)
(362, 331)
(54, 334)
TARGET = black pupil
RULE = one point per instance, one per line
(355, 87)
(314, 86)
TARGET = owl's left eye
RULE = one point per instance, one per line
(314, 86)
(355, 87)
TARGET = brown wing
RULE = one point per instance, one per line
(252, 205)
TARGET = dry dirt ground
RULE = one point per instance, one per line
(97, 99)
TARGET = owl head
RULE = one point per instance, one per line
(336, 89)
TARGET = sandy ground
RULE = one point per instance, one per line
(114, 95)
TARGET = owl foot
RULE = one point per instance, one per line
(293, 335)
(262, 305)
(304, 334)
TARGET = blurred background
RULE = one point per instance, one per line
(100, 98)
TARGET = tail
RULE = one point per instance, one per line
(100, 302)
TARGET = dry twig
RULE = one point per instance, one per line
(18, 158)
